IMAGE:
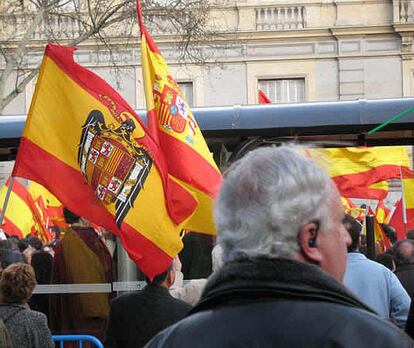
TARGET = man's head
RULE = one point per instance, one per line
(404, 252)
(390, 232)
(73, 219)
(410, 234)
(354, 229)
(164, 279)
(275, 202)
(35, 242)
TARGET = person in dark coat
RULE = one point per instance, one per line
(42, 265)
(136, 317)
(404, 260)
(26, 328)
(280, 224)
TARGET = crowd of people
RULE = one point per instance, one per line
(288, 271)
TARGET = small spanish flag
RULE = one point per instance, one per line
(22, 217)
(380, 238)
(86, 145)
(172, 123)
(382, 213)
(49, 206)
(360, 172)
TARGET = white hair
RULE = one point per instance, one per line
(265, 198)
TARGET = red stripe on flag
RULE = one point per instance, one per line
(84, 203)
(151, 44)
(10, 228)
(357, 185)
(19, 190)
(150, 41)
(202, 175)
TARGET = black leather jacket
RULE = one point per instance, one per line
(279, 303)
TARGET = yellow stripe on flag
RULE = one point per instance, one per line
(17, 211)
(352, 160)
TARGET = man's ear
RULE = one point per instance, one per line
(170, 278)
(308, 243)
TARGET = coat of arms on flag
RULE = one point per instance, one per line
(112, 162)
(174, 113)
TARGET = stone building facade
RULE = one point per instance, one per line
(313, 50)
(295, 51)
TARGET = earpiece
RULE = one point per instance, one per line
(312, 243)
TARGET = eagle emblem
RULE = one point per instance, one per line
(112, 162)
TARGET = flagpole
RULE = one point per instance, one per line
(3, 209)
(403, 201)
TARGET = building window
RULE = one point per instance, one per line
(281, 91)
(187, 90)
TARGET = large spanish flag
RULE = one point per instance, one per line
(173, 124)
(86, 145)
(360, 172)
(19, 219)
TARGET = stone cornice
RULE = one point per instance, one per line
(363, 30)
(251, 36)
(404, 28)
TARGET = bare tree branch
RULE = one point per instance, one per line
(28, 23)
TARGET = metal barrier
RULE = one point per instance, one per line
(77, 338)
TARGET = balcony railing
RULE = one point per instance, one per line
(277, 18)
(60, 27)
(403, 11)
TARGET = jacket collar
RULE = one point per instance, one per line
(273, 278)
(402, 268)
(156, 289)
(354, 256)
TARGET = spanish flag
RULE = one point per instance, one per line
(381, 239)
(382, 213)
(360, 172)
(173, 124)
(86, 145)
(49, 206)
(347, 204)
(20, 219)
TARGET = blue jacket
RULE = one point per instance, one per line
(377, 287)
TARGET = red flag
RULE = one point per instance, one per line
(397, 220)
(263, 99)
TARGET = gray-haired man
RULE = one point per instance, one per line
(279, 219)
